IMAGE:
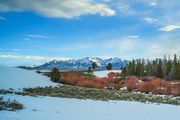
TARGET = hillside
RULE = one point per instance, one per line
(16, 78)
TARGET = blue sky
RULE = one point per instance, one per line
(36, 31)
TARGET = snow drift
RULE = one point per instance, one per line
(16, 78)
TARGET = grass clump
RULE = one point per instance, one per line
(67, 91)
(2, 91)
(10, 105)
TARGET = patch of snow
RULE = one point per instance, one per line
(113, 60)
(17, 78)
(103, 73)
(45, 108)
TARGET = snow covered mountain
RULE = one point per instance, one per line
(82, 64)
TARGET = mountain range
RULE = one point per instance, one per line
(80, 64)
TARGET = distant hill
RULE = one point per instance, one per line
(80, 64)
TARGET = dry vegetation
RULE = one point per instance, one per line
(148, 84)
(68, 91)
(11, 105)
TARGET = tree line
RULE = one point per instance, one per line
(165, 68)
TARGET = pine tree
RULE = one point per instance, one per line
(142, 64)
(154, 68)
(109, 66)
(176, 74)
(173, 72)
(169, 67)
(164, 68)
(129, 69)
(159, 69)
(94, 65)
(138, 68)
(148, 68)
(55, 75)
(133, 67)
(124, 72)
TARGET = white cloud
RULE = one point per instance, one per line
(125, 9)
(57, 8)
(122, 44)
(151, 47)
(27, 57)
(163, 47)
(150, 20)
(126, 45)
(2, 18)
(133, 36)
(154, 3)
(14, 59)
(161, 13)
(106, 0)
(169, 28)
(38, 36)
(72, 47)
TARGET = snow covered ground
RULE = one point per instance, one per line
(18, 78)
(52, 108)
(103, 73)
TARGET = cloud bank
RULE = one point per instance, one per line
(169, 28)
(57, 8)
(30, 57)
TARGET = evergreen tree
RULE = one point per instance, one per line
(109, 66)
(138, 68)
(129, 69)
(124, 72)
(154, 68)
(94, 65)
(159, 69)
(178, 71)
(163, 68)
(169, 67)
(148, 68)
(173, 72)
(142, 66)
(55, 75)
(133, 67)
(176, 67)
